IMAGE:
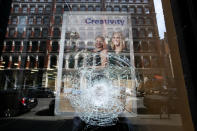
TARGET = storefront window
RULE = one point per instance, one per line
(93, 64)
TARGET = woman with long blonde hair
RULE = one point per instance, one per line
(117, 44)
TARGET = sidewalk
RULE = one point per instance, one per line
(174, 120)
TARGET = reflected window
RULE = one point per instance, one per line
(32, 61)
(37, 32)
(139, 10)
(56, 32)
(8, 46)
(138, 1)
(82, 8)
(31, 20)
(11, 32)
(148, 21)
(134, 21)
(14, 20)
(146, 1)
(28, 33)
(144, 46)
(116, 1)
(132, 10)
(66, 8)
(57, 20)
(98, 8)
(124, 9)
(20, 32)
(71, 61)
(55, 46)
(90, 8)
(38, 20)
(116, 8)
(22, 20)
(135, 33)
(141, 21)
(152, 47)
(32, 9)
(154, 61)
(123, 1)
(16, 8)
(48, 9)
(24, 9)
(6, 60)
(40, 61)
(43, 46)
(146, 62)
(26, 46)
(40, 9)
(59, 9)
(17, 46)
(80, 61)
(45, 32)
(23, 61)
(34, 46)
(46, 20)
(138, 62)
(142, 33)
(150, 33)
(147, 10)
(74, 8)
(137, 46)
(130, 1)
(108, 8)
(14, 61)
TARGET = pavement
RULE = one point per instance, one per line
(41, 119)
(58, 123)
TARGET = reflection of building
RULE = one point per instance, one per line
(30, 49)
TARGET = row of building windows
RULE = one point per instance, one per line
(131, 9)
(142, 33)
(31, 9)
(22, 61)
(130, 1)
(44, 33)
(26, 46)
(115, 1)
(141, 21)
(71, 62)
(23, 20)
(32, 33)
(147, 62)
(34, 46)
(143, 46)
(60, 9)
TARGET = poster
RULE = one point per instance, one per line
(96, 77)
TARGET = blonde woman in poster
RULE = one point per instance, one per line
(117, 42)
(101, 50)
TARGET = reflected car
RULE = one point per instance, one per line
(14, 102)
(40, 92)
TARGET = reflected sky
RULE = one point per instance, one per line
(160, 18)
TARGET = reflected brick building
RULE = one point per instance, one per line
(31, 45)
